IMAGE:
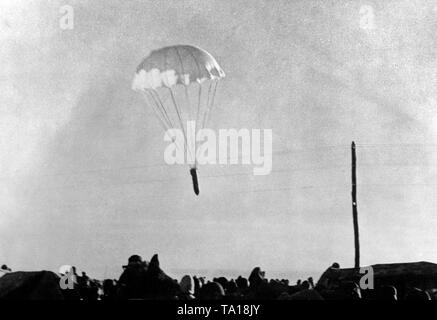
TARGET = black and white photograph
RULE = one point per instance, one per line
(218, 154)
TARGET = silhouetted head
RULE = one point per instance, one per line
(305, 285)
(134, 259)
(231, 286)
(242, 283)
(187, 285)
(335, 265)
(222, 280)
(256, 277)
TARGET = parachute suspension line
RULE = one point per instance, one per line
(180, 120)
(165, 123)
(158, 101)
(197, 119)
(210, 103)
(205, 108)
(162, 108)
(159, 110)
(155, 109)
(187, 98)
(207, 103)
(213, 99)
(198, 102)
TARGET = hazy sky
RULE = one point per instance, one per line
(83, 179)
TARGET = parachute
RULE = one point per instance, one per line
(179, 84)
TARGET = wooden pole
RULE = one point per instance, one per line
(354, 206)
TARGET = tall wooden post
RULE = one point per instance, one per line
(354, 206)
